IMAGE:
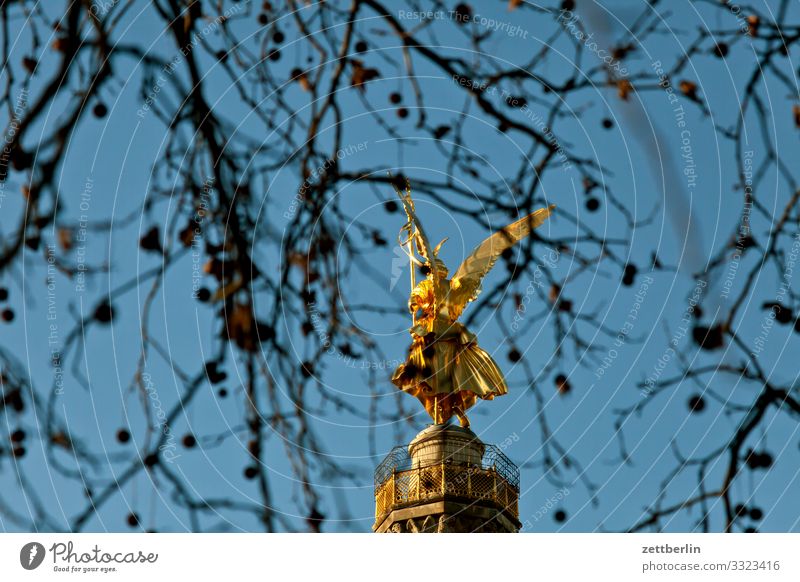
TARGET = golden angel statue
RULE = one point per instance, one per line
(446, 369)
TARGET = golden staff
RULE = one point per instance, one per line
(408, 243)
(411, 251)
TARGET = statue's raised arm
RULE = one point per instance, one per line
(416, 237)
(415, 230)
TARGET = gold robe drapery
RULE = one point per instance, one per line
(446, 369)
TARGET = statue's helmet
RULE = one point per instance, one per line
(438, 264)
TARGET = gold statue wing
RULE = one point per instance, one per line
(466, 282)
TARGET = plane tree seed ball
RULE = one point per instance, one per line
(697, 403)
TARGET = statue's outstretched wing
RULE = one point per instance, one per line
(466, 282)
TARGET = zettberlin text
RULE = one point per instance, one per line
(684, 549)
